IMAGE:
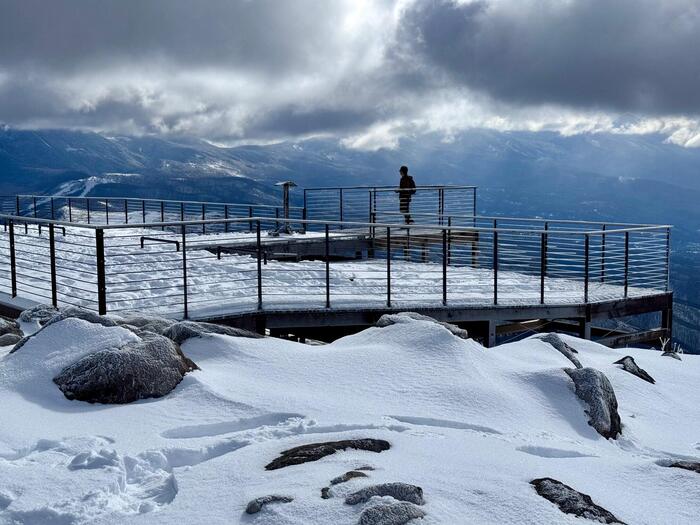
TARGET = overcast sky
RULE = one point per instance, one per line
(366, 72)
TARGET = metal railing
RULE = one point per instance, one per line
(429, 204)
(200, 267)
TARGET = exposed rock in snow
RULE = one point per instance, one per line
(8, 326)
(687, 465)
(596, 391)
(151, 367)
(9, 339)
(326, 492)
(629, 365)
(184, 330)
(559, 344)
(316, 451)
(80, 313)
(391, 514)
(671, 353)
(257, 504)
(148, 323)
(39, 314)
(571, 501)
(390, 319)
(348, 476)
(398, 491)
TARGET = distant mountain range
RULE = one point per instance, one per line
(595, 177)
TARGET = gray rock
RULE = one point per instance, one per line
(326, 492)
(184, 330)
(391, 514)
(145, 323)
(596, 391)
(559, 344)
(80, 313)
(10, 339)
(629, 365)
(390, 319)
(8, 326)
(671, 353)
(399, 491)
(257, 504)
(571, 501)
(151, 367)
(687, 465)
(40, 313)
(316, 451)
(348, 476)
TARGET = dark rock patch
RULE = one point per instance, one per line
(571, 501)
(184, 330)
(316, 451)
(559, 344)
(8, 326)
(326, 493)
(151, 367)
(390, 319)
(348, 476)
(596, 391)
(671, 353)
(257, 504)
(687, 465)
(10, 339)
(398, 491)
(80, 313)
(40, 313)
(629, 365)
(391, 514)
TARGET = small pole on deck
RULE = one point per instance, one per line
(52, 254)
(259, 249)
(587, 243)
(495, 267)
(183, 230)
(444, 267)
(13, 261)
(101, 278)
(328, 270)
(388, 267)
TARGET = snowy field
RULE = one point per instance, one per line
(471, 426)
(151, 277)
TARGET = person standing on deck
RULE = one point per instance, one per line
(407, 188)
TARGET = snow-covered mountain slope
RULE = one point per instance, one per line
(471, 426)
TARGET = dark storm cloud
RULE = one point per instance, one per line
(624, 55)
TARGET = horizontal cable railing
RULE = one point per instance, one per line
(201, 267)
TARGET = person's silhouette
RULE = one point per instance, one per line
(407, 188)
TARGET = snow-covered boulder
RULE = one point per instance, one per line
(347, 477)
(571, 501)
(147, 323)
(559, 344)
(184, 330)
(150, 367)
(38, 314)
(594, 388)
(257, 504)
(80, 313)
(8, 326)
(10, 339)
(398, 491)
(629, 365)
(316, 451)
(402, 317)
(391, 514)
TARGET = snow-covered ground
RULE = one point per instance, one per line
(151, 277)
(471, 426)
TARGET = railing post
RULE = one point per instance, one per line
(52, 255)
(17, 205)
(259, 250)
(250, 214)
(226, 218)
(143, 211)
(126, 211)
(668, 259)
(441, 205)
(70, 210)
(495, 267)
(204, 218)
(87, 207)
(627, 261)
(162, 214)
(444, 267)
(328, 270)
(34, 199)
(107, 210)
(52, 210)
(587, 244)
(183, 231)
(13, 260)
(101, 279)
(341, 207)
(304, 215)
(602, 255)
(388, 267)
(543, 264)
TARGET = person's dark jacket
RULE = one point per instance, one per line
(407, 187)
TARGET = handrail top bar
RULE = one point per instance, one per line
(79, 198)
(384, 188)
(334, 223)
